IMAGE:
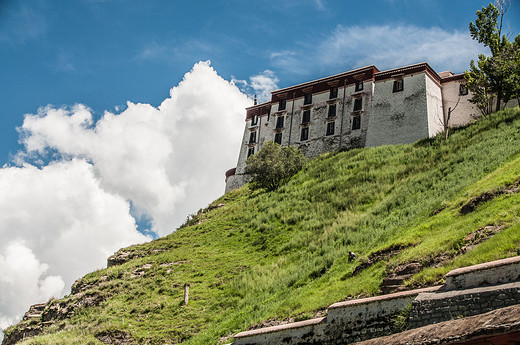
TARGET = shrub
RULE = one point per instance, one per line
(274, 165)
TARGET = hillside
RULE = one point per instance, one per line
(257, 257)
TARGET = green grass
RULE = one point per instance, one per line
(281, 254)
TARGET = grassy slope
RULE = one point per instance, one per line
(280, 254)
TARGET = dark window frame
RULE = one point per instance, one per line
(252, 137)
(359, 85)
(330, 127)
(254, 120)
(250, 151)
(332, 110)
(398, 85)
(304, 136)
(306, 116)
(333, 93)
(463, 90)
(356, 122)
(307, 98)
(278, 138)
(279, 122)
(358, 104)
(282, 104)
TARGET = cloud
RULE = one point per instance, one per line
(260, 85)
(168, 161)
(78, 186)
(56, 224)
(386, 46)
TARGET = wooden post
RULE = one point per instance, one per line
(186, 293)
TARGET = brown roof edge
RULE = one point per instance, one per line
(325, 79)
(452, 78)
(268, 103)
(423, 66)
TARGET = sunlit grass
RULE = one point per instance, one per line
(273, 255)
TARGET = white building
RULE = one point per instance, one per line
(359, 108)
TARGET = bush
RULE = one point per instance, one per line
(274, 165)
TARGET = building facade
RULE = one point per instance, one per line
(364, 107)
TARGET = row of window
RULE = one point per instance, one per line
(304, 135)
(307, 98)
(358, 102)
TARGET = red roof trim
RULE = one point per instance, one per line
(452, 78)
(423, 66)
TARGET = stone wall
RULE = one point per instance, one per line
(346, 322)
(430, 308)
(399, 117)
(463, 111)
(469, 291)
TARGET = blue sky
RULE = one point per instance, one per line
(103, 53)
(119, 118)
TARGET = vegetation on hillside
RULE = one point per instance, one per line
(253, 256)
(274, 165)
(495, 79)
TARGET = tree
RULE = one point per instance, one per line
(494, 77)
(274, 165)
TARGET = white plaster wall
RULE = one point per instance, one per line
(434, 106)
(464, 112)
(398, 117)
(244, 147)
(318, 141)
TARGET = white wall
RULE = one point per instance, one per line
(398, 117)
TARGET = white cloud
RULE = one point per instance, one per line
(168, 160)
(385, 46)
(260, 85)
(56, 224)
(64, 219)
(263, 83)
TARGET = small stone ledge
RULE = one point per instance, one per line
(483, 266)
(287, 326)
(430, 296)
(489, 273)
(375, 299)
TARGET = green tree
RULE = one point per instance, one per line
(274, 165)
(493, 80)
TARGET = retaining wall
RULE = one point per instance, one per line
(468, 291)
(346, 322)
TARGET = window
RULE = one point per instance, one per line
(278, 138)
(332, 110)
(358, 104)
(306, 116)
(307, 98)
(463, 90)
(359, 85)
(330, 128)
(281, 104)
(279, 122)
(356, 122)
(252, 137)
(398, 85)
(251, 151)
(333, 92)
(305, 134)
(254, 120)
